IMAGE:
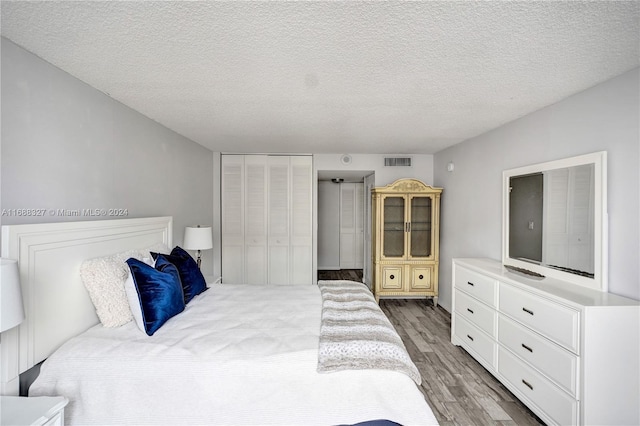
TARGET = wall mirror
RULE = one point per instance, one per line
(554, 219)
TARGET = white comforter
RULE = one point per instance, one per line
(238, 354)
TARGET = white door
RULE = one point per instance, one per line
(301, 230)
(232, 236)
(347, 226)
(255, 219)
(278, 228)
(367, 269)
(351, 226)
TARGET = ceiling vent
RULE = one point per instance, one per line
(397, 161)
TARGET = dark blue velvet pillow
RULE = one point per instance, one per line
(159, 291)
(193, 282)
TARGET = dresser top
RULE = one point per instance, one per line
(551, 286)
(17, 410)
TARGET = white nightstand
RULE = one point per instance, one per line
(34, 411)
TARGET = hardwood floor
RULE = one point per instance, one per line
(342, 274)
(459, 390)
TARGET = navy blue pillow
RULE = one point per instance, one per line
(159, 291)
(193, 282)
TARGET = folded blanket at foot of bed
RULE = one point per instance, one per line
(355, 334)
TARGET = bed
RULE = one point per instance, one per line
(236, 354)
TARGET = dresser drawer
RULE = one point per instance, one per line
(479, 286)
(477, 313)
(555, 362)
(557, 322)
(555, 403)
(475, 341)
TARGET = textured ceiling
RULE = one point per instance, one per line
(332, 77)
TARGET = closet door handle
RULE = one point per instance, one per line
(530, 312)
(469, 310)
(527, 384)
(527, 348)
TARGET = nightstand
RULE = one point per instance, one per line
(34, 411)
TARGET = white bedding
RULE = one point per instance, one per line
(238, 354)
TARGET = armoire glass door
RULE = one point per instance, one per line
(420, 226)
(393, 242)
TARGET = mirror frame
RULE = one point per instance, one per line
(600, 280)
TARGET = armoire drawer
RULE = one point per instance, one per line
(476, 312)
(420, 278)
(555, 403)
(479, 286)
(557, 363)
(391, 277)
(476, 341)
(557, 322)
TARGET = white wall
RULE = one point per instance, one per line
(421, 166)
(328, 225)
(603, 118)
(66, 145)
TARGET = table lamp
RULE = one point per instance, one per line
(198, 238)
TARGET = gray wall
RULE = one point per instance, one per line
(603, 118)
(66, 145)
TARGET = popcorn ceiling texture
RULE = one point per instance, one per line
(323, 77)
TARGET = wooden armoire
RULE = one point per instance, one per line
(406, 221)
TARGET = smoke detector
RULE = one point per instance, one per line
(346, 159)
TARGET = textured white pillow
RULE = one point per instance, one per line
(104, 279)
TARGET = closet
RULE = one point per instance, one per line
(266, 204)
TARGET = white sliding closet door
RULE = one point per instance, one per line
(267, 219)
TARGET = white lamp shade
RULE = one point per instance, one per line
(12, 310)
(198, 238)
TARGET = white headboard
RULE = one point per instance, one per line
(57, 306)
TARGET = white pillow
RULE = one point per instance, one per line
(104, 279)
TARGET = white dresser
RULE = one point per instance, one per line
(571, 354)
(35, 411)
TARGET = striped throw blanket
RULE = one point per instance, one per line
(355, 334)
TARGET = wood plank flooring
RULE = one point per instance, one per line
(458, 389)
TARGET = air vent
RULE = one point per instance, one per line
(397, 161)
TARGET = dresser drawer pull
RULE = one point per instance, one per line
(470, 338)
(527, 311)
(527, 384)
(391, 276)
(469, 310)
(421, 276)
(527, 348)
(470, 283)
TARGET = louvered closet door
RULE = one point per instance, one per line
(278, 228)
(232, 192)
(301, 255)
(255, 220)
(267, 219)
(347, 225)
(351, 226)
